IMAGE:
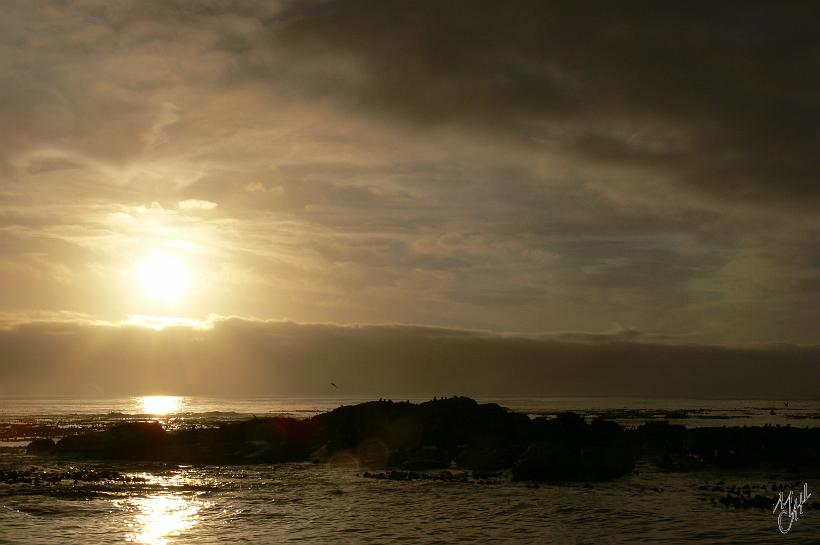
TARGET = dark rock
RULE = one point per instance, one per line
(425, 457)
(574, 461)
(565, 426)
(41, 446)
(131, 441)
(661, 436)
(416, 476)
(449, 432)
(487, 456)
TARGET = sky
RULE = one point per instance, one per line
(589, 174)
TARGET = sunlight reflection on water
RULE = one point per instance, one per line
(310, 503)
(158, 519)
(160, 405)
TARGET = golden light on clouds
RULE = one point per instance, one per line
(552, 200)
(164, 276)
(161, 322)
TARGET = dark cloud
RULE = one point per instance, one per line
(718, 97)
(254, 357)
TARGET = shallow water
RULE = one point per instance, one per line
(159, 504)
(321, 504)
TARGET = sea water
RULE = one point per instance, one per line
(156, 503)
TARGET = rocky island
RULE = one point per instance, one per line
(448, 433)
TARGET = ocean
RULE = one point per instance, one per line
(49, 501)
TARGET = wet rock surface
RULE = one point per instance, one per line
(34, 475)
(749, 495)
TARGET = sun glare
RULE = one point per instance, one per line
(161, 519)
(160, 404)
(163, 276)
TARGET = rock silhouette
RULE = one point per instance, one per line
(570, 449)
(449, 433)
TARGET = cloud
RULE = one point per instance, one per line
(196, 204)
(511, 167)
(717, 99)
(241, 356)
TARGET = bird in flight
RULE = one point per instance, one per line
(333, 384)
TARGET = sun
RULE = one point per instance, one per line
(163, 276)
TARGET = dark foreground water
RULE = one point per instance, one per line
(68, 502)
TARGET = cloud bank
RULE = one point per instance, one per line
(253, 357)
